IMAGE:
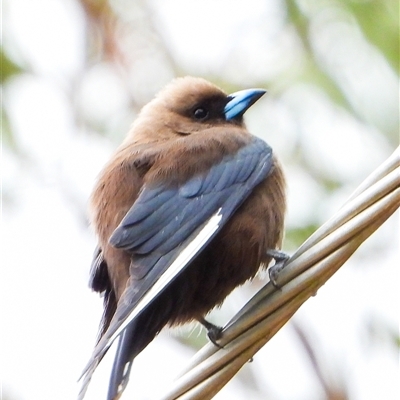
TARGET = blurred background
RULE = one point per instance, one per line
(75, 73)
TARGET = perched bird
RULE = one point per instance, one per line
(190, 206)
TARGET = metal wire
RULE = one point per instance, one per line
(308, 269)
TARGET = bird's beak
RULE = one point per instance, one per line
(239, 102)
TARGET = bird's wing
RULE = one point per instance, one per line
(167, 227)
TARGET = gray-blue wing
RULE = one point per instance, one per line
(164, 221)
(162, 217)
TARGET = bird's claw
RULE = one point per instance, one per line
(280, 261)
(214, 332)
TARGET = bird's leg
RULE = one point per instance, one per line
(213, 331)
(280, 261)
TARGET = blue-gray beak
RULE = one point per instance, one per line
(240, 101)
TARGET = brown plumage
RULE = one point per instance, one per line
(191, 132)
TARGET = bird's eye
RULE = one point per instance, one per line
(200, 113)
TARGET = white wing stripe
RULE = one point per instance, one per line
(188, 253)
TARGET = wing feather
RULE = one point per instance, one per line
(167, 227)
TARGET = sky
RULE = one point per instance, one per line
(49, 316)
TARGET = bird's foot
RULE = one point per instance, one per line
(280, 261)
(214, 332)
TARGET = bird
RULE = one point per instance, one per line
(190, 206)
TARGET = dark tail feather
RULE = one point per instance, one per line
(122, 363)
(137, 335)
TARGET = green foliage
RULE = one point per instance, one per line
(8, 67)
(295, 236)
(379, 21)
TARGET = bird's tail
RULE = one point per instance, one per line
(122, 363)
(136, 336)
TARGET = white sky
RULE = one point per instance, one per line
(49, 316)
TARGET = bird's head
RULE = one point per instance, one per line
(188, 105)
